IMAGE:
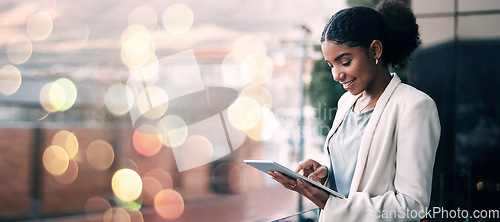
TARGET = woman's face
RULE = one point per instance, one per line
(351, 66)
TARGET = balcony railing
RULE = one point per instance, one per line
(304, 216)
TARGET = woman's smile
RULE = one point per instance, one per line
(348, 85)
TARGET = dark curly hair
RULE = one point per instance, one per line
(392, 23)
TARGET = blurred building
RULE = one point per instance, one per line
(27, 131)
(103, 143)
(457, 65)
(60, 162)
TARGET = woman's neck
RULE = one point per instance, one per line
(382, 80)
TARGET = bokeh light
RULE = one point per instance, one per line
(99, 94)
(137, 47)
(135, 39)
(43, 117)
(226, 176)
(129, 205)
(172, 130)
(146, 141)
(152, 102)
(52, 97)
(231, 71)
(234, 178)
(169, 204)
(150, 187)
(238, 113)
(59, 95)
(70, 93)
(256, 68)
(131, 164)
(178, 18)
(69, 175)
(247, 45)
(259, 93)
(162, 176)
(148, 71)
(100, 154)
(118, 98)
(55, 160)
(253, 118)
(480, 185)
(19, 49)
(145, 16)
(135, 215)
(266, 127)
(197, 149)
(78, 36)
(135, 60)
(247, 62)
(116, 214)
(95, 205)
(126, 184)
(10, 80)
(39, 26)
(68, 141)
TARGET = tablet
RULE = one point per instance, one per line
(269, 165)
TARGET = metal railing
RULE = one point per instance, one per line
(303, 216)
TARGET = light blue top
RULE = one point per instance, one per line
(344, 146)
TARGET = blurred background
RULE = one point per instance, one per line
(83, 139)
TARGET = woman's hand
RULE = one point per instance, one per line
(313, 170)
(316, 195)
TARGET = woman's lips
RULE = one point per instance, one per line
(348, 85)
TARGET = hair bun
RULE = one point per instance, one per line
(401, 31)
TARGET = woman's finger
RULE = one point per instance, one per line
(319, 173)
(305, 164)
(303, 188)
(283, 180)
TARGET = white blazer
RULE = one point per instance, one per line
(393, 174)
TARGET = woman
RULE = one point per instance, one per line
(385, 134)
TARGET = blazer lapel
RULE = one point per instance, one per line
(366, 140)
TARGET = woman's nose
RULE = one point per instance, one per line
(337, 76)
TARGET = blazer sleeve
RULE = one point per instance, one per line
(417, 136)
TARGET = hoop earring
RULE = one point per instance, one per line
(376, 61)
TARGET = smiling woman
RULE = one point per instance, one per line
(385, 134)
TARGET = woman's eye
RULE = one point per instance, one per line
(329, 65)
(346, 63)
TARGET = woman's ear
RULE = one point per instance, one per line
(376, 49)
